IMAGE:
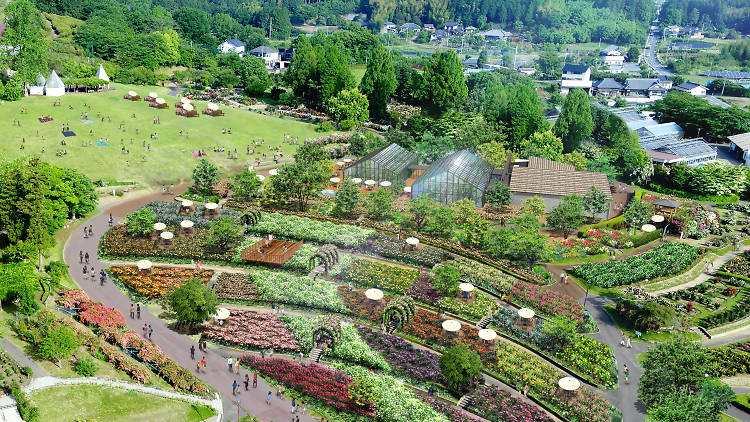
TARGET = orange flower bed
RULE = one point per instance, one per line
(161, 281)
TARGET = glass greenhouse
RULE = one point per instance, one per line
(390, 163)
(459, 175)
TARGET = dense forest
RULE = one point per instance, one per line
(707, 14)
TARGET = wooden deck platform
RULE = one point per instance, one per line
(275, 252)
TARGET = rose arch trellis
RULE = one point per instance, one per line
(400, 312)
(327, 330)
(327, 255)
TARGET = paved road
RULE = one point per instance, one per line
(175, 345)
(651, 59)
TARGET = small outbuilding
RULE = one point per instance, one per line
(54, 87)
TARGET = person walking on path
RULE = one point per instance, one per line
(237, 366)
(138, 313)
(150, 331)
(294, 404)
(80, 254)
(234, 388)
(268, 398)
(247, 381)
(230, 362)
(626, 372)
(132, 312)
(255, 380)
(86, 256)
(192, 352)
(145, 329)
(203, 362)
(627, 343)
(197, 367)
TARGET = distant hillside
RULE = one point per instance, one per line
(63, 27)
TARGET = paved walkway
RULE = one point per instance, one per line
(174, 344)
(22, 358)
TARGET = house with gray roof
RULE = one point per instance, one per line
(693, 88)
(608, 87)
(496, 35)
(232, 46)
(410, 27)
(645, 89)
(270, 55)
(740, 145)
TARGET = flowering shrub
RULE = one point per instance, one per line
(739, 265)
(330, 387)
(664, 260)
(364, 272)
(546, 302)
(351, 348)
(330, 139)
(495, 404)
(485, 276)
(302, 113)
(730, 362)
(302, 228)
(453, 413)
(390, 246)
(745, 347)
(422, 291)
(426, 326)
(597, 241)
(160, 281)
(394, 402)
(303, 291)
(404, 358)
(519, 367)
(72, 298)
(117, 242)
(93, 314)
(235, 287)
(591, 358)
(476, 310)
(251, 330)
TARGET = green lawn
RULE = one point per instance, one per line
(171, 157)
(93, 402)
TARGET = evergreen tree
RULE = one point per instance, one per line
(347, 198)
(575, 123)
(302, 75)
(254, 75)
(444, 85)
(379, 81)
(334, 73)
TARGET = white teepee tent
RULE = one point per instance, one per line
(102, 74)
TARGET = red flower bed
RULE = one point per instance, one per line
(327, 385)
(426, 326)
(356, 302)
(235, 287)
(252, 330)
(160, 281)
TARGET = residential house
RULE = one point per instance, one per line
(692, 32)
(269, 55)
(670, 150)
(470, 29)
(232, 46)
(693, 88)
(575, 76)
(410, 27)
(664, 81)
(740, 145)
(528, 71)
(472, 62)
(608, 87)
(451, 26)
(389, 27)
(496, 35)
(611, 56)
(672, 31)
(644, 88)
(429, 27)
(552, 181)
(439, 35)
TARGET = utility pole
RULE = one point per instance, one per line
(515, 56)
(270, 23)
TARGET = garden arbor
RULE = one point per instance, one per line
(250, 217)
(398, 313)
(327, 332)
(328, 256)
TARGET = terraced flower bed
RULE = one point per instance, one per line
(117, 242)
(236, 287)
(160, 281)
(302, 228)
(495, 404)
(739, 265)
(367, 273)
(251, 330)
(281, 287)
(664, 260)
(390, 246)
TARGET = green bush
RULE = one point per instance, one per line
(86, 367)
(28, 371)
(645, 238)
(28, 412)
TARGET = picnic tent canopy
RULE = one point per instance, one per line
(102, 74)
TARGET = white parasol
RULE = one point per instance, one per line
(370, 182)
(153, 94)
(261, 177)
(160, 101)
(187, 107)
(166, 235)
(132, 93)
(185, 100)
(273, 172)
(212, 206)
(487, 334)
(526, 313)
(466, 287)
(648, 228)
(385, 184)
(569, 384)
(187, 203)
(186, 224)
(657, 218)
(213, 107)
(222, 314)
(412, 241)
(451, 325)
(374, 294)
(334, 180)
(356, 180)
(407, 189)
(159, 226)
(144, 264)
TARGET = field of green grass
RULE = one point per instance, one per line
(170, 159)
(63, 26)
(93, 402)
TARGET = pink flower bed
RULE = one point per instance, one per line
(495, 404)
(546, 301)
(93, 314)
(252, 330)
(329, 386)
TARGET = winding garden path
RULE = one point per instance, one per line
(174, 344)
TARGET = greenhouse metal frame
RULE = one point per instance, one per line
(459, 175)
(390, 163)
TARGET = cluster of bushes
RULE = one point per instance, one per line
(645, 315)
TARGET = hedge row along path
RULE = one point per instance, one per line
(173, 344)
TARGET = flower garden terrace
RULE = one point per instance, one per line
(411, 354)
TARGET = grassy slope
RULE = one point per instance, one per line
(170, 159)
(86, 402)
(64, 26)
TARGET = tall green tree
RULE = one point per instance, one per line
(419, 210)
(223, 232)
(379, 204)
(25, 33)
(349, 108)
(446, 279)
(575, 123)
(19, 281)
(302, 75)
(444, 85)
(379, 81)
(567, 215)
(193, 302)
(347, 198)
(58, 343)
(299, 182)
(205, 174)
(333, 72)
(543, 145)
(595, 201)
(246, 185)
(524, 115)
(254, 75)
(498, 194)
(460, 365)
(140, 222)
(521, 242)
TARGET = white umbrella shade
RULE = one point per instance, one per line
(340, 163)
(153, 94)
(357, 180)
(273, 172)
(487, 334)
(413, 241)
(374, 294)
(407, 189)
(132, 93)
(160, 101)
(657, 218)
(466, 287)
(187, 203)
(185, 100)
(160, 226)
(569, 384)
(334, 180)
(212, 106)
(166, 235)
(451, 325)
(370, 182)
(648, 228)
(222, 314)
(144, 264)
(347, 160)
(212, 206)
(526, 313)
(186, 224)
(385, 184)
(187, 107)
